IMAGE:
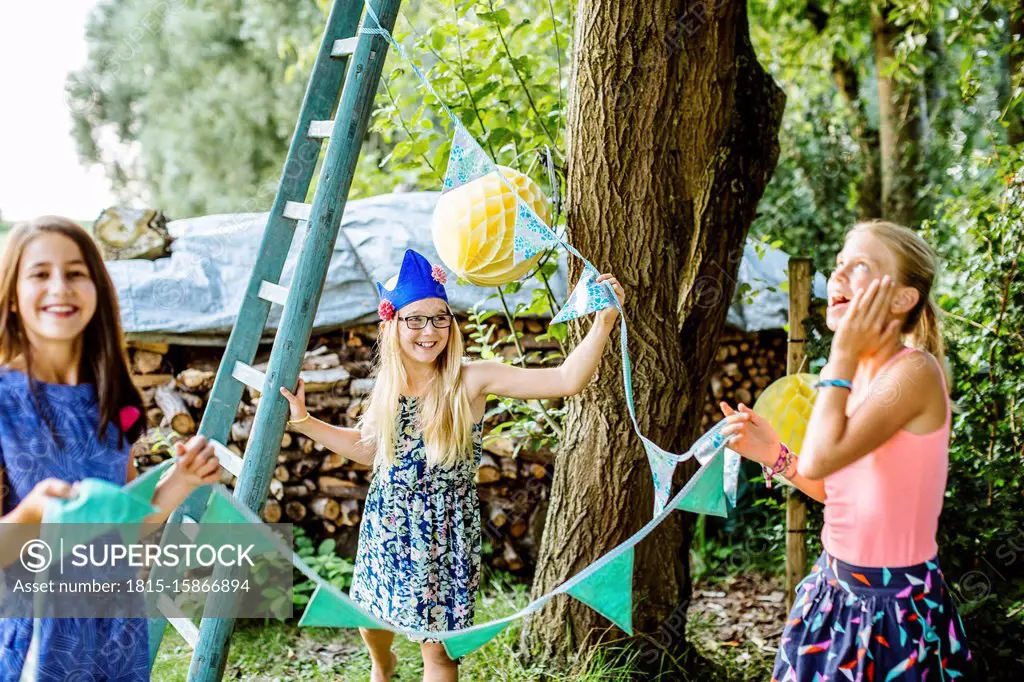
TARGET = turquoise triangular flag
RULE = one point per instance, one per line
(474, 638)
(609, 590)
(222, 510)
(704, 493)
(663, 467)
(588, 297)
(143, 487)
(98, 506)
(467, 160)
(327, 608)
(97, 502)
(532, 236)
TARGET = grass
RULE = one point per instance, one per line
(282, 651)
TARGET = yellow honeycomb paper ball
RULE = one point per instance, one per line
(474, 227)
(787, 405)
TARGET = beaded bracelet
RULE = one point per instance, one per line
(782, 464)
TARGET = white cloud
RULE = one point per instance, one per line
(40, 42)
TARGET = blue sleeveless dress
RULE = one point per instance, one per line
(418, 561)
(112, 649)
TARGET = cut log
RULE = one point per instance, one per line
(282, 474)
(144, 381)
(331, 462)
(286, 440)
(509, 468)
(336, 487)
(147, 362)
(350, 514)
(240, 430)
(295, 510)
(196, 379)
(192, 400)
(276, 489)
(512, 559)
(176, 413)
(498, 517)
(159, 348)
(297, 490)
(488, 471)
(326, 508)
(272, 511)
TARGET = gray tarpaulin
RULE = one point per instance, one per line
(198, 289)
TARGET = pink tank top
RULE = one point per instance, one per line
(883, 509)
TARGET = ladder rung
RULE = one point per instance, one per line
(344, 47)
(184, 625)
(297, 210)
(320, 129)
(274, 293)
(228, 459)
(250, 376)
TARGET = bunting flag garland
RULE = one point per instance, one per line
(605, 585)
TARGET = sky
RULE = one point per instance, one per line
(40, 42)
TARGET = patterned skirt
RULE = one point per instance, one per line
(868, 624)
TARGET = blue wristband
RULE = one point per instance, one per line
(838, 383)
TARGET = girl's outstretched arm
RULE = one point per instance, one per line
(489, 377)
(346, 442)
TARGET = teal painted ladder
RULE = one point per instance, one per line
(349, 63)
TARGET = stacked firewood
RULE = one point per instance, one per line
(745, 365)
(319, 489)
(325, 493)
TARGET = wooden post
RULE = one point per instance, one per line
(796, 505)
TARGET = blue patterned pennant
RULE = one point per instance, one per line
(467, 160)
(588, 297)
(663, 467)
(532, 236)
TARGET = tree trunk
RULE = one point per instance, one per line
(847, 79)
(1016, 61)
(673, 135)
(899, 127)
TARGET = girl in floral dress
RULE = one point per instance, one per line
(418, 561)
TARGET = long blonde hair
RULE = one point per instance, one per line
(918, 264)
(444, 414)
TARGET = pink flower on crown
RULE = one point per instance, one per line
(386, 310)
(438, 275)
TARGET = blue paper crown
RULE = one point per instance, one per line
(416, 282)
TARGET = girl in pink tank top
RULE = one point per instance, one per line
(875, 605)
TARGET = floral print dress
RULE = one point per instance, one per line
(418, 562)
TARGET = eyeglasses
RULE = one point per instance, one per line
(420, 321)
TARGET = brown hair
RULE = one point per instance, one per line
(104, 359)
(917, 264)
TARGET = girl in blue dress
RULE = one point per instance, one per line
(418, 561)
(69, 411)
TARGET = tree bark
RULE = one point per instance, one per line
(847, 79)
(673, 135)
(1016, 62)
(900, 127)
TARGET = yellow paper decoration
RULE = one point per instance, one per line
(787, 405)
(474, 226)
